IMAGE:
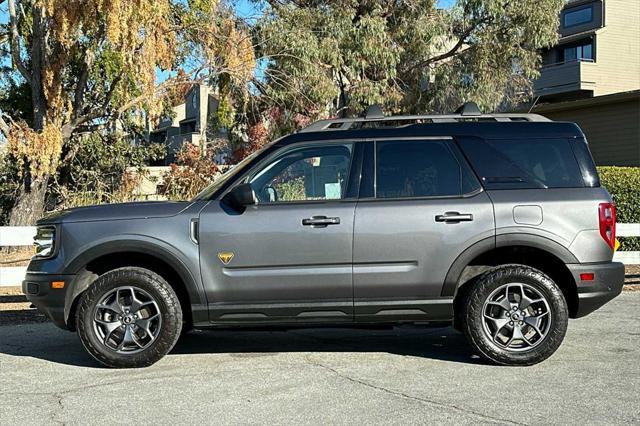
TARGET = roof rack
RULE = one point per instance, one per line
(374, 118)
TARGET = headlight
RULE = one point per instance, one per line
(44, 241)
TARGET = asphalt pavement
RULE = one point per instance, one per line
(405, 375)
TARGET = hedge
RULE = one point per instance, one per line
(624, 185)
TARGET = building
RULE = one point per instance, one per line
(610, 122)
(598, 52)
(189, 123)
(592, 77)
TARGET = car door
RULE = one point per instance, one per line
(424, 208)
(288, 258)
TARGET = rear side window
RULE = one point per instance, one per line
(406, 169)
(523, 163)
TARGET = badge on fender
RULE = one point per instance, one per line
(225, 257)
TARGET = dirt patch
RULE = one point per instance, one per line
(632, 274)
(16, 309)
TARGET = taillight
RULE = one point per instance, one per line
(607, 220)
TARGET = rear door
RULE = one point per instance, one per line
(421, 208)
(289, 257)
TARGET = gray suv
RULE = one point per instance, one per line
(496, 223)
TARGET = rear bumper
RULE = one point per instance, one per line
(606, 284)
(48, 300)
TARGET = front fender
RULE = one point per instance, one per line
(132, 243)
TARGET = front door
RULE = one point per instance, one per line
(289, 257)
(425, 210)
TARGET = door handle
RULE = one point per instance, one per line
(454, 217)
(320, 221)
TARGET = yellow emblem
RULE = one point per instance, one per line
(617, 245)
(225, 257)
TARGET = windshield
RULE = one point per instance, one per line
(206, 193)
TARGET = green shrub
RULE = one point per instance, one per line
(624, 185)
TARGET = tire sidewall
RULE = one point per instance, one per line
(491, 281)
(154, 285)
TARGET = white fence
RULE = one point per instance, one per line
(11, 236)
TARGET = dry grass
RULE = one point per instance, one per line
(17, 257)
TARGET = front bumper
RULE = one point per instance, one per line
(48, 300)
(606, 284)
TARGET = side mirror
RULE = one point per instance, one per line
(241, 196)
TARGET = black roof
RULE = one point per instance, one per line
(489, 130)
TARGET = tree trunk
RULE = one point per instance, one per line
(29, 206)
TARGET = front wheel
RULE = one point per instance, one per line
(515, 315)
(129, 317)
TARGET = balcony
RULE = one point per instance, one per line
(574, 79)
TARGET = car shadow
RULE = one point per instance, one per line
(47, 342)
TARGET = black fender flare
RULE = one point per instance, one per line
(503, 240)
(151, 247)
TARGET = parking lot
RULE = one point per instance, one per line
(403, 375)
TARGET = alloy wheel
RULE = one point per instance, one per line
(516, 317)
(127, 320)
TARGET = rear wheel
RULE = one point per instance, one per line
(129, 317)
(515, 315)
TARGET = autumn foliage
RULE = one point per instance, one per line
(191, 173)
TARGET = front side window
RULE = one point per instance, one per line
(406, 169)
(305, 174)
(578, 16)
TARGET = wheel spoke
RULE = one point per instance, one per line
(113, 306)
(503, 303)
(516, 334)
(145, 324)
(534, 322)
(137, 304)
(110, 328)
(127, 339)
(498, 323)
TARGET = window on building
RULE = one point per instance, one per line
(158, 137)
(188, 127)
(580, 52)
(579, 16)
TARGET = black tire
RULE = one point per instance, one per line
(166, 302)
(477, 331)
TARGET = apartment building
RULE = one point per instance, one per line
(189, 122)
(598, 52)
(592, 77)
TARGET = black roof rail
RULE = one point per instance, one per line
(374, 117)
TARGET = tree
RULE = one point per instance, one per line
(88, 63)
(191, 173)
(332, 57)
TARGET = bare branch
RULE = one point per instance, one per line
(78, 97)
(15, 42)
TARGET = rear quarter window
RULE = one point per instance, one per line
(523, 163)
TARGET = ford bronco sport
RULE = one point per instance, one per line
(497, 223)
